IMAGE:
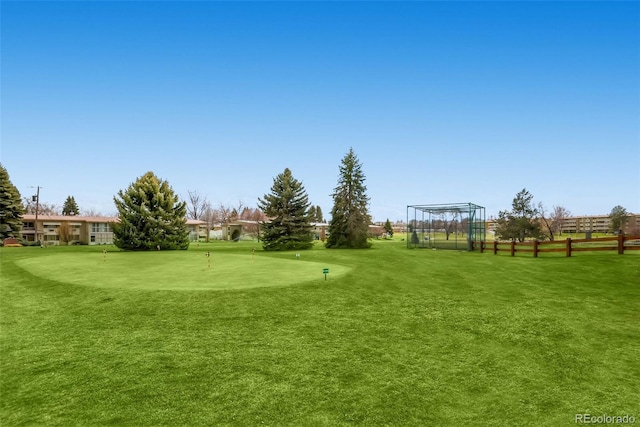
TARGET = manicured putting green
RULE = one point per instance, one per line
(178, 270)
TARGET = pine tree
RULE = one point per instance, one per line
(151, 216)
(349, 226)
(319, 215)
(70, 207)
(287, 207)
(521, 222)
(414, 238)
(388, 228)
(11, 209)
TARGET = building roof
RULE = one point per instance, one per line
(31, 217)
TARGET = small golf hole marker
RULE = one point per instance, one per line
(325, 271)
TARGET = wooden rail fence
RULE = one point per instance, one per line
(622, 243)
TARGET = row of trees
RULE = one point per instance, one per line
(152, 216)
(526, 220)
(200, 208)
(290, 213)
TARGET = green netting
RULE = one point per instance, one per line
(445, 226)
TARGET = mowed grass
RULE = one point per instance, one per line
(177, 270)
(401, 337)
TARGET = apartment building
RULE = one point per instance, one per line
(598, 224)
(54, 230)
(587, 223)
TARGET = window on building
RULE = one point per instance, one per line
(100, 227)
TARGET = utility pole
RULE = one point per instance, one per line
(36, 199)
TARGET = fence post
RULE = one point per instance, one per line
(495, 247)
(513, 247)
(620, 244)
(481, 246)
(535, 248)
(568, 246)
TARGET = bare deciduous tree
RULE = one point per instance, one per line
(200, 208)
(92, 212)
(228, 214)
(558, 217)
(43, 207)
(449, 224)
(463, 225)
(254, 215)
(548, 225)
(65, 232)
(196, 205)
(210, 217)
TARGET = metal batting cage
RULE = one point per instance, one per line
(445, 226)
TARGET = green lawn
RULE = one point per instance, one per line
(178, 270)
(393, 337)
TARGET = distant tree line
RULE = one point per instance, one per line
(526, 220)
(151, 215)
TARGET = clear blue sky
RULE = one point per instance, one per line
(441, 101)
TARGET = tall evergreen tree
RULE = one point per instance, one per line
(349, 226)
(11, 209)
(70, 207)
(151, 216)
(287, 207)
(319, 215)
